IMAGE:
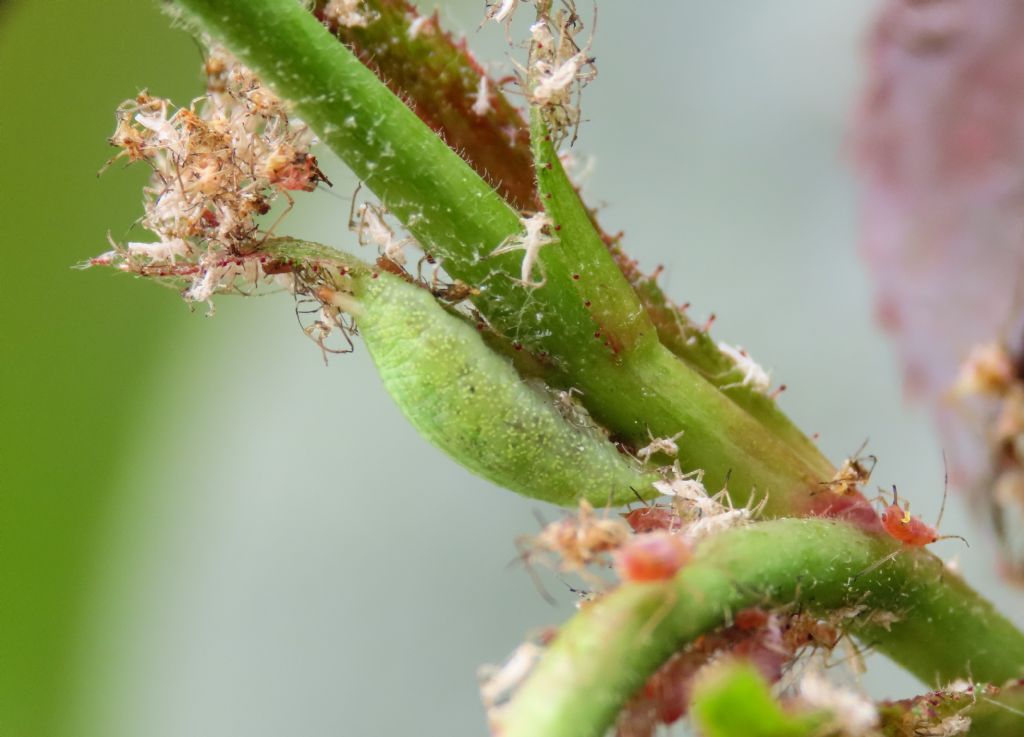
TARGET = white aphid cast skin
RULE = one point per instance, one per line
(853, 713)
(348, 13)
(530, 242)
(417, 26)
(501, 11)
(167, 249)
(482, 100)
(666, 446)
(498, 683)
(702, 514)
(753, 375)
(371, 225)
(552, 80)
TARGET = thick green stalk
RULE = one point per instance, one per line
(695, 345)
(944, 629)
(457, 216)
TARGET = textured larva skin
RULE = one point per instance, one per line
(471, 403)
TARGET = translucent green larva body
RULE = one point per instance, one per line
(471, 403)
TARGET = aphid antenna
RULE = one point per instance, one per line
(855, 655)
(945, 493)
(1000, 704)
(572, 590)
(638, 498)
(288, 208)
(608, 504)
(524, 558)
(326, 190)
(877, 564)
(874, 462)
(757, 509)
(200, 48)
(862, 448)
(352, 206)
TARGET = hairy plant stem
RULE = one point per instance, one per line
(438, 78)
(608, 650)
(455, 215)
(993, 710)
(630, 383)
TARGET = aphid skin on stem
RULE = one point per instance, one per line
(754, 375)
(369, 224)
(666, 445)
(534, 237)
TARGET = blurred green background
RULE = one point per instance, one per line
(207, 532)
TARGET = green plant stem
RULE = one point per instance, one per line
(457, 216)
(994, 711)
(439, 79)
(670, 396)
(608, 650)
(696, 347)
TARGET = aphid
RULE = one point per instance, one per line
(277, 266)
(581, 540)
(855, 471)
(453, 293)
(300, 173)
(751, 618)
(654, 556)
(650, 518)
(909, 530)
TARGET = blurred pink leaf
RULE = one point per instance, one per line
(939, 141)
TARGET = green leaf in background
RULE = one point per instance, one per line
(77, 347)
(734, 701)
